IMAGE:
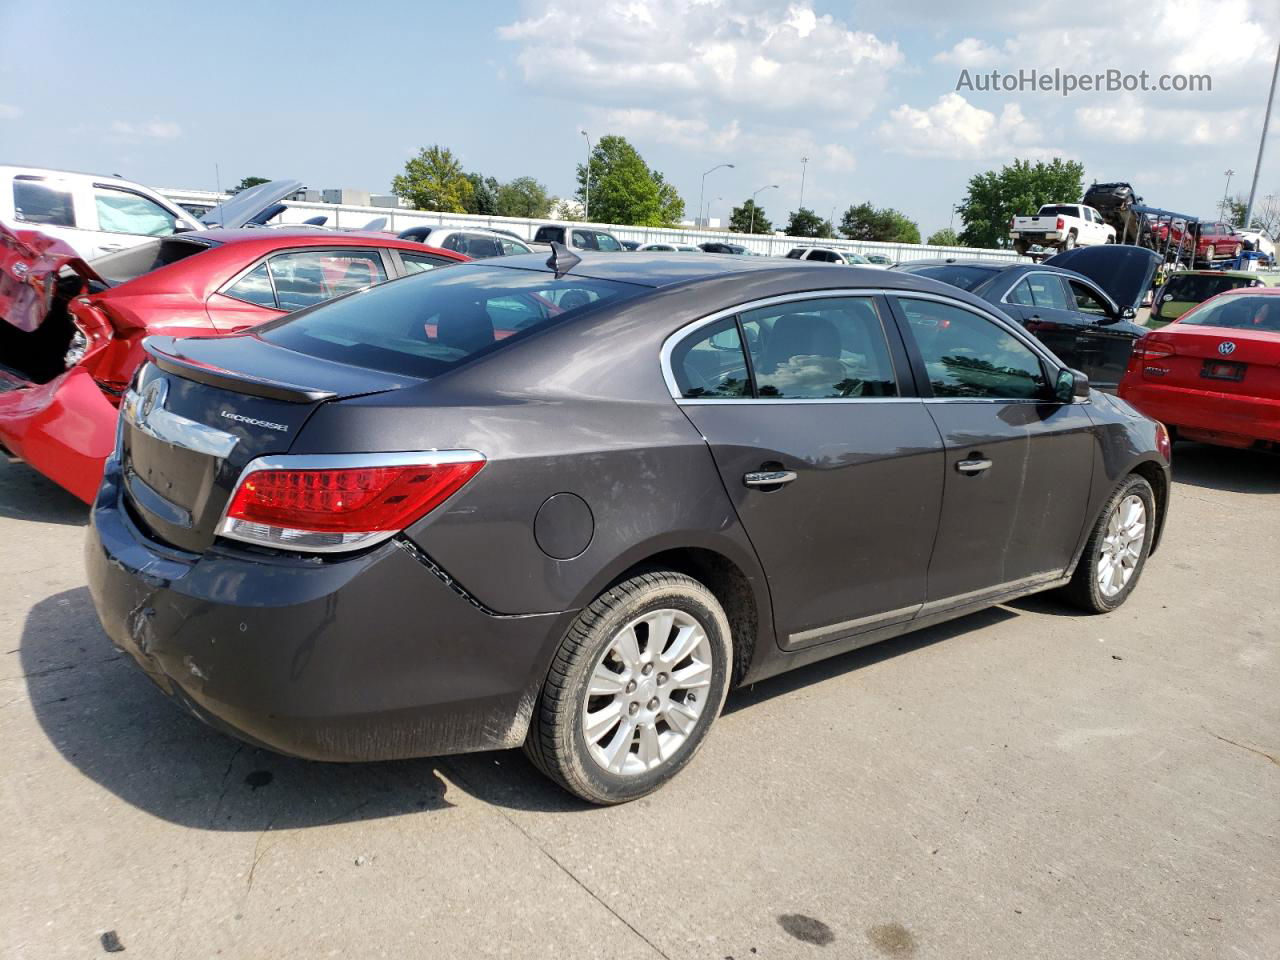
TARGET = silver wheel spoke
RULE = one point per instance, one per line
(680, 718)
(1121, 549)
(686, 640)
(597, 724)
(692, 677)
(615, 754)
(606, 683)
(660, 624)
(650, 752)
(627, 649)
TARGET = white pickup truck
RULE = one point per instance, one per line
(1062, 226)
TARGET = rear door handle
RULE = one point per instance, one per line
(768, 478)
(973, 466)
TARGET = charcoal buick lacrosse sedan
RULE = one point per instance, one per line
(569, 503)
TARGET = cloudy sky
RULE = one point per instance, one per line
(866, 90)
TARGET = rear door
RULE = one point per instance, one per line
(51, 206)
(833, 464)
(1018, 462)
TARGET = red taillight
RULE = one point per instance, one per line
(314, 507)
(1146, 350)
(1061, 223)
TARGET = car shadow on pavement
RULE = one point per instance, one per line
(1224, 468)
(26, 495)
(108, 720)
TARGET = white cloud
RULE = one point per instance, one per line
(969, 52)
(955, 127)
(1130, 121)
(9, 112)
(152, 129)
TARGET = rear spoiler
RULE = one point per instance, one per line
(164, 353)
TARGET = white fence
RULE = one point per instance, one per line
(353, 217)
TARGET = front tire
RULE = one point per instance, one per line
(1117, 548)
(634, 688)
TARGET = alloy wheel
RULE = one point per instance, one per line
(1121, 548)
(647, 692)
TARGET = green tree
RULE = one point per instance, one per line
(623, 188)
(248, 182)
(946, 237)
(484, 195)
(741, 220)
(433, 180)
(1020, 188)
(524, 197)
(805, 223)
(865, 222)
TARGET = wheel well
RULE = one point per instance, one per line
(723, 578)
(1160, 487)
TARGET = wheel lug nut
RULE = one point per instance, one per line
(653, 704)
(647, 669)
(662, 678)
(633, 709)
(631, 687)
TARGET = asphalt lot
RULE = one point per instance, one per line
(1023, 783)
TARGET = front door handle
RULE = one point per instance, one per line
(971, 467)
(768, 478)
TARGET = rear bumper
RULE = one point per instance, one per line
(1231, 416)
(369, 658)
(65, 429)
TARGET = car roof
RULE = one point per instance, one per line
(54, 172)
(661, 268)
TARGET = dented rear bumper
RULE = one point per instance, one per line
(374, 657)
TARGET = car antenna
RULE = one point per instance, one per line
(562, 259)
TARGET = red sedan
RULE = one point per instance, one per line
(1214, 373)
(71, 333)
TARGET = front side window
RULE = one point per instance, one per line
(479, 247)
(970, 357)
(605, 242)
(512, 247)
(584, 240)
(42, 202)
(1086, 301)
(424, 325)
(122, 211)
(710, 364)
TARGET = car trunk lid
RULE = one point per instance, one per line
(202, 409)
(1123, 272)
(1219, 359)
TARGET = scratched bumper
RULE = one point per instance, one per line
(369, 658)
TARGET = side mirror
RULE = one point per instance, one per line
(1072, 385)
(1128, 313)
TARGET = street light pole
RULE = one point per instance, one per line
(586, 205)
(1266, 120)
(804, 165)
(773, 186)
(703, 192)
(1222, 207)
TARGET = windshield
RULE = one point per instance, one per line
(116, 268)
(426, 324)
(1238, 313)
(966, 278)
(1196, 288)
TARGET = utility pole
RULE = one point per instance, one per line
(772, 186)
(804, 165)
(1262, 142)
(586, 205)
(703, 192)
(1222, 207)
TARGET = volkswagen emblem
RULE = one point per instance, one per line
(1226, 348)
(153, 397)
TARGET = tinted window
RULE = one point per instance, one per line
(605, 242)
(512, 247)
(1086, 301)
(1059, 210)
(36, 201)
(796, 253)
(711, 363)
(1197, 287)
(1021, 294)
(478, 247)
(584, 240)
(149, 255)
(418, 263)
(966, 355)
(120, 211)
(816, 349)
(1046, 291)
(308, 277)
(424, 325)
(964, 277)
(1238, 313)
(254, 287)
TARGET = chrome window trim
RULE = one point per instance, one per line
(322, 461)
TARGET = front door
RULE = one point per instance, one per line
(1040, 303)
(1018, 462)
(833, 465)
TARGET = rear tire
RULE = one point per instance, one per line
(1116, 550)
(1068, 242)
(1020, 247)
(625, 708)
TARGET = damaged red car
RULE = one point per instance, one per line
(71, 332)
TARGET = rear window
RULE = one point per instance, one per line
(1238, 313)
(1058, 211)
(116, 268)
(1194, 289)
(426, 324)
(966, 278)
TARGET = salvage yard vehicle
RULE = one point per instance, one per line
(1061, 225)
(71, 332)
(569, 503)
(1213, 374)
(1214, 240)
(579, 238)
(471, 243)
(830, 255)
(1081, 304)
(1185, 288)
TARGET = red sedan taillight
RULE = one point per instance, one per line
(337, 502)
(1144, 349)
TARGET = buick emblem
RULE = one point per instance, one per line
(1226, 348)
(153, 396)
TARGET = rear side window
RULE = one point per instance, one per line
(1046, 291)
(711, 364)
(122, 211)
(424, 325)
(970, 357)
(42, 202)
(420, 263)
(291, 281)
